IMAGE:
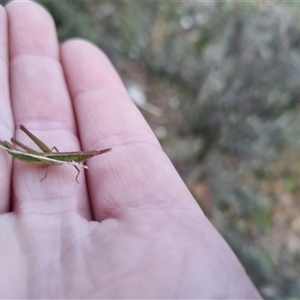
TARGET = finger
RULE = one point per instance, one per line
(6, 119)
(136, 173)
(41, 102)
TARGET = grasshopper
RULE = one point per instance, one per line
(48, 157)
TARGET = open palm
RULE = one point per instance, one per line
(130, 229)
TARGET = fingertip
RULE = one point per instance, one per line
(31, 29)
(84, 47)
(87, 67)
(32, 7)
(79, 42)
(34, 4)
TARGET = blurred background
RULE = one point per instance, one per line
(219, 83)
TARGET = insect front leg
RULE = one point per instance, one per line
(54, 149)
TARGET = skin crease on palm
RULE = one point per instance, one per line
(130, 229)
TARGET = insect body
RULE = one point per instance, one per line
(48, 157)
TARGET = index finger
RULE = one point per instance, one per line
(136, 173)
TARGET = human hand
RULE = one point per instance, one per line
(130, 229)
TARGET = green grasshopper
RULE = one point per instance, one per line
(47, 157)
